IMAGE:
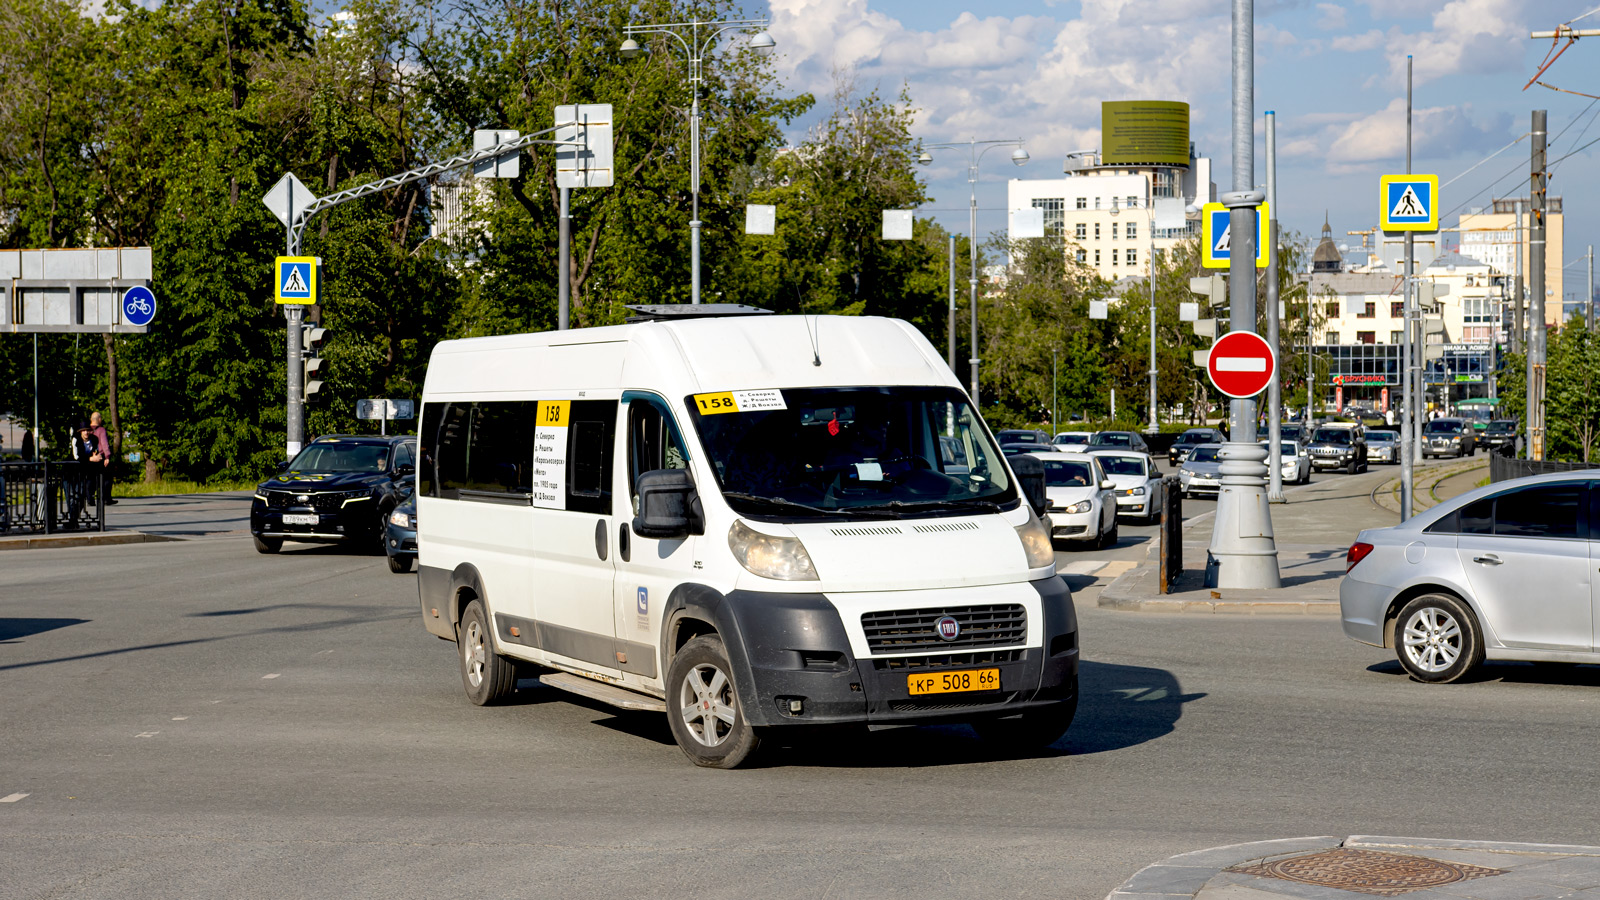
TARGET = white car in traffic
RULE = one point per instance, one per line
(1082, 506)
(1136, 481)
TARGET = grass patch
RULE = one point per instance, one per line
(164, 487)
(1482, 482)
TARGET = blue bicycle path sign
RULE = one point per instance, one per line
(138, 306)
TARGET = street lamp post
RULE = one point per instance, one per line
(1020, 157)
(701, 37)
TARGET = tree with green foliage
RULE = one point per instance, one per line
(1572, 392)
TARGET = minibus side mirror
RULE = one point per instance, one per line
(1030, 478)
(669, 506)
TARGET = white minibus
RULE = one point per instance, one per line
(748, 522)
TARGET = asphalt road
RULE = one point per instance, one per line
(191, 719)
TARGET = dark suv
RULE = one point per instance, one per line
(338, 490)
(1449, 437)
(1500, 433)
(1194, 437)
(1339, 446)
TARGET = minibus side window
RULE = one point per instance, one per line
(428, 446)
(451, 457)
(653, 443)
(590, 448)
(500, 450)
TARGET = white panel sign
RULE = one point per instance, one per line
(550, 453)
(1027, 223)
(1169, 213)
(587, 162)
(1188, 312)
(897, 224)
(287, 199)
(760, 218)
(1099, 309)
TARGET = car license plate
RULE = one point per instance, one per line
(954, 682)
(292, 519)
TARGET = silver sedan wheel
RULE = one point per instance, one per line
(1433, 639)
(475, 650)
(706, 702)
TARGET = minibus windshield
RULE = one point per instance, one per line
(861, 452)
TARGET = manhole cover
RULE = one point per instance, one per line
(1368, 871)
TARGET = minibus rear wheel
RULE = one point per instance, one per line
(704, 709)
(487, 676)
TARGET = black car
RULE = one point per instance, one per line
(1449, 436)
(339, 490)
(1021, 436)
(1186, 442)
(1500, 433)
(1118, 440)
(400, 536)
(1339, 446)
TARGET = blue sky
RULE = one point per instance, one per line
(1333, 72)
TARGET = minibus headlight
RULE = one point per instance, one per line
(1036, 543)
(778, 558)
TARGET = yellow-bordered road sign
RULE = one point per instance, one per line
(1408, 202)
(296, 279)
(1216, 239)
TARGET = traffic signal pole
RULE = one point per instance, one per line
(1243, 554)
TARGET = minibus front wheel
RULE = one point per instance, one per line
(704, 709)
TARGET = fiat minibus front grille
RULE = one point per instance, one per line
(918, 630)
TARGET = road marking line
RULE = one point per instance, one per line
(147, 734)
(273, 675)
(1241, 364)
(179, 718)
(12, 798)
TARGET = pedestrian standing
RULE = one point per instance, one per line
(80, 484)
(103, 442)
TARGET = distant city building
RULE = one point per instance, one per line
(1490, 234)
(1100, 213)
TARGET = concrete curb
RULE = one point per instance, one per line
(1185, 875)
(1135, 591)
(87, 539)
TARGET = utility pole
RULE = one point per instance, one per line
(1055, 422)
(1536, 326)
(1591, 288)
(1518, 345)
(1409, 449)
(1275, 387)
(1243, 553)
(952, 353)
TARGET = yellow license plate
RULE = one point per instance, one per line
(954, 682)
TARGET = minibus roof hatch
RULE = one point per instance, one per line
(678, 312)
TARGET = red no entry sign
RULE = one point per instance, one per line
(1241, 364)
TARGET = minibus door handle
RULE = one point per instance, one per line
(600, 538)
(624, 535)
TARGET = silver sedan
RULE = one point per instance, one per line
(1502, 572)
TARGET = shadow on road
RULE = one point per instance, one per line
(1552, 673)
(12, 629)
(1124, 706)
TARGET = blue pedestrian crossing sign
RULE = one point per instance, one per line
(1216, 236)
(296, 279)
(1408, 202)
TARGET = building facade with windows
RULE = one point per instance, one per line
(1491, 235)
(1101, 213)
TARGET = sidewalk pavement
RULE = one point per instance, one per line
(133, 520)
(1313, 531)
(1360, 867)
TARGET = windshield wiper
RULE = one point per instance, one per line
(779, 503)
(898, 507)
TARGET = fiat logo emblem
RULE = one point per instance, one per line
(948, 628)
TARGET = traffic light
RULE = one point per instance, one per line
(311, 341)
(1215, 289)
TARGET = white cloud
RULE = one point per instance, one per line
(1358, 43)
(1334, 17)
(1474, 36)
(1347, 142)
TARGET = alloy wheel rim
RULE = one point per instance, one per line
(706, 702)
(473, 652)
(1433, 639)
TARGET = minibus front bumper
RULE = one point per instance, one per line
(798, 668)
